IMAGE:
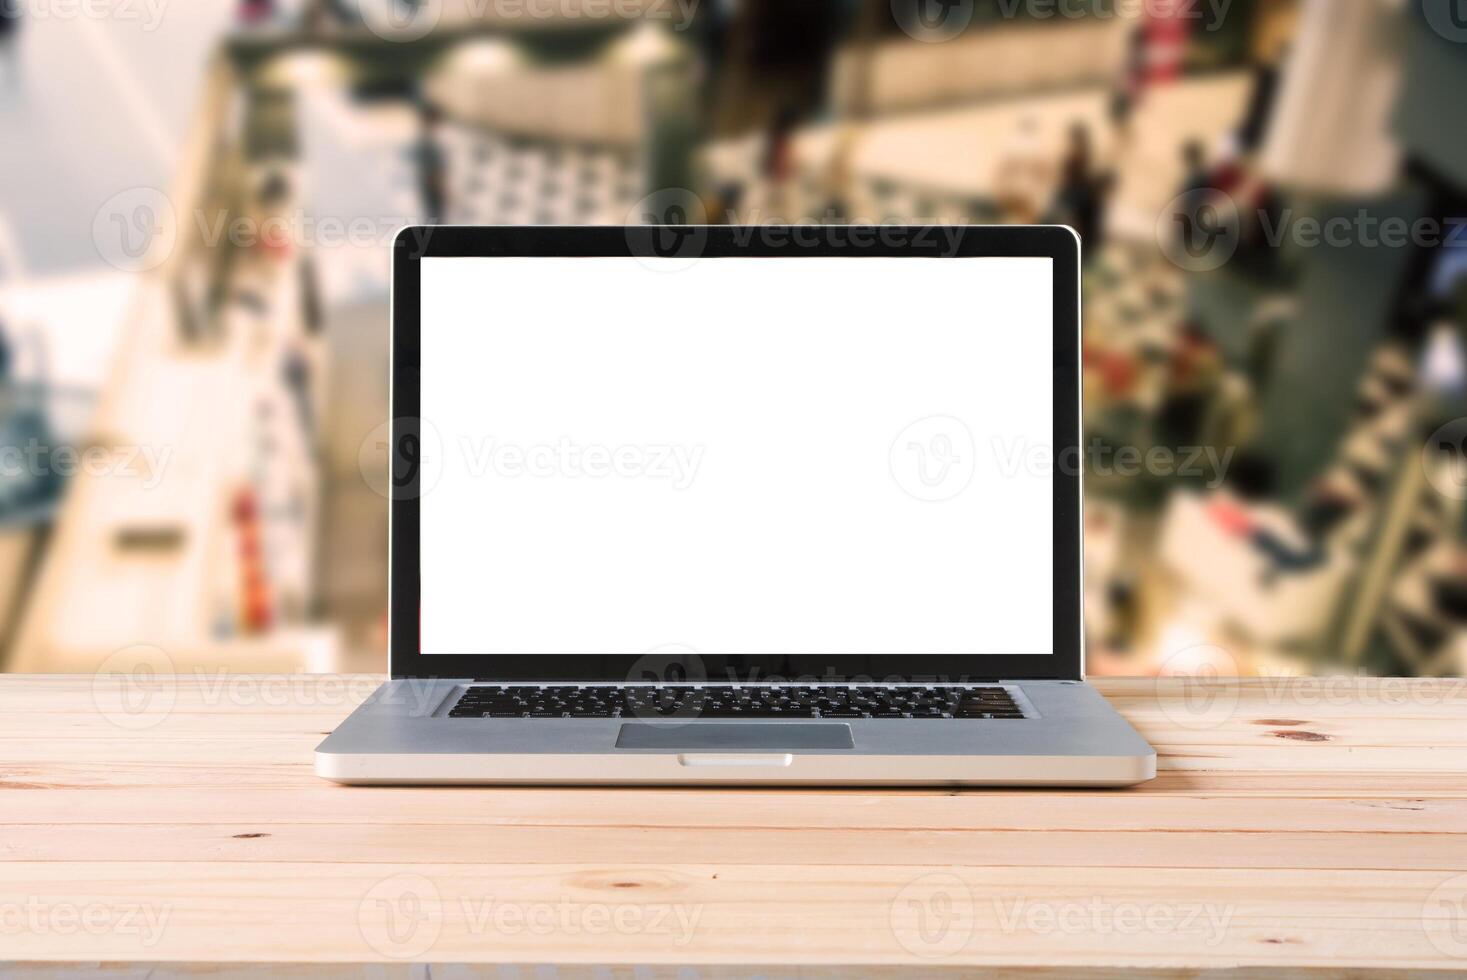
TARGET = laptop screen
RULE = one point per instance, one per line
(737, 456)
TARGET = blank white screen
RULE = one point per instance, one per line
(745, 456)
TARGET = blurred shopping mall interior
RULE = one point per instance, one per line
(197, 203)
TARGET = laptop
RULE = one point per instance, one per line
(788, 505)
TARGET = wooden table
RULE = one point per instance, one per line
(1296, 828)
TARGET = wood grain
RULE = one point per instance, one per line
(1296, 828)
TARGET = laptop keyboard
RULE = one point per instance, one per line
(714, 701)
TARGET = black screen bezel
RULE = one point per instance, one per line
(1056, 243)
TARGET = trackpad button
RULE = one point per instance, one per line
(734, 738)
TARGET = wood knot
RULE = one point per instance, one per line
(1302, 736)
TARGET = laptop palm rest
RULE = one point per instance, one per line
(735, 738)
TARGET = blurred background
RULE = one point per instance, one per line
(197, 202)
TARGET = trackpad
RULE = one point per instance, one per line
(736, 738)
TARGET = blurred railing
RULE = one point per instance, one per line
(906, 74)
